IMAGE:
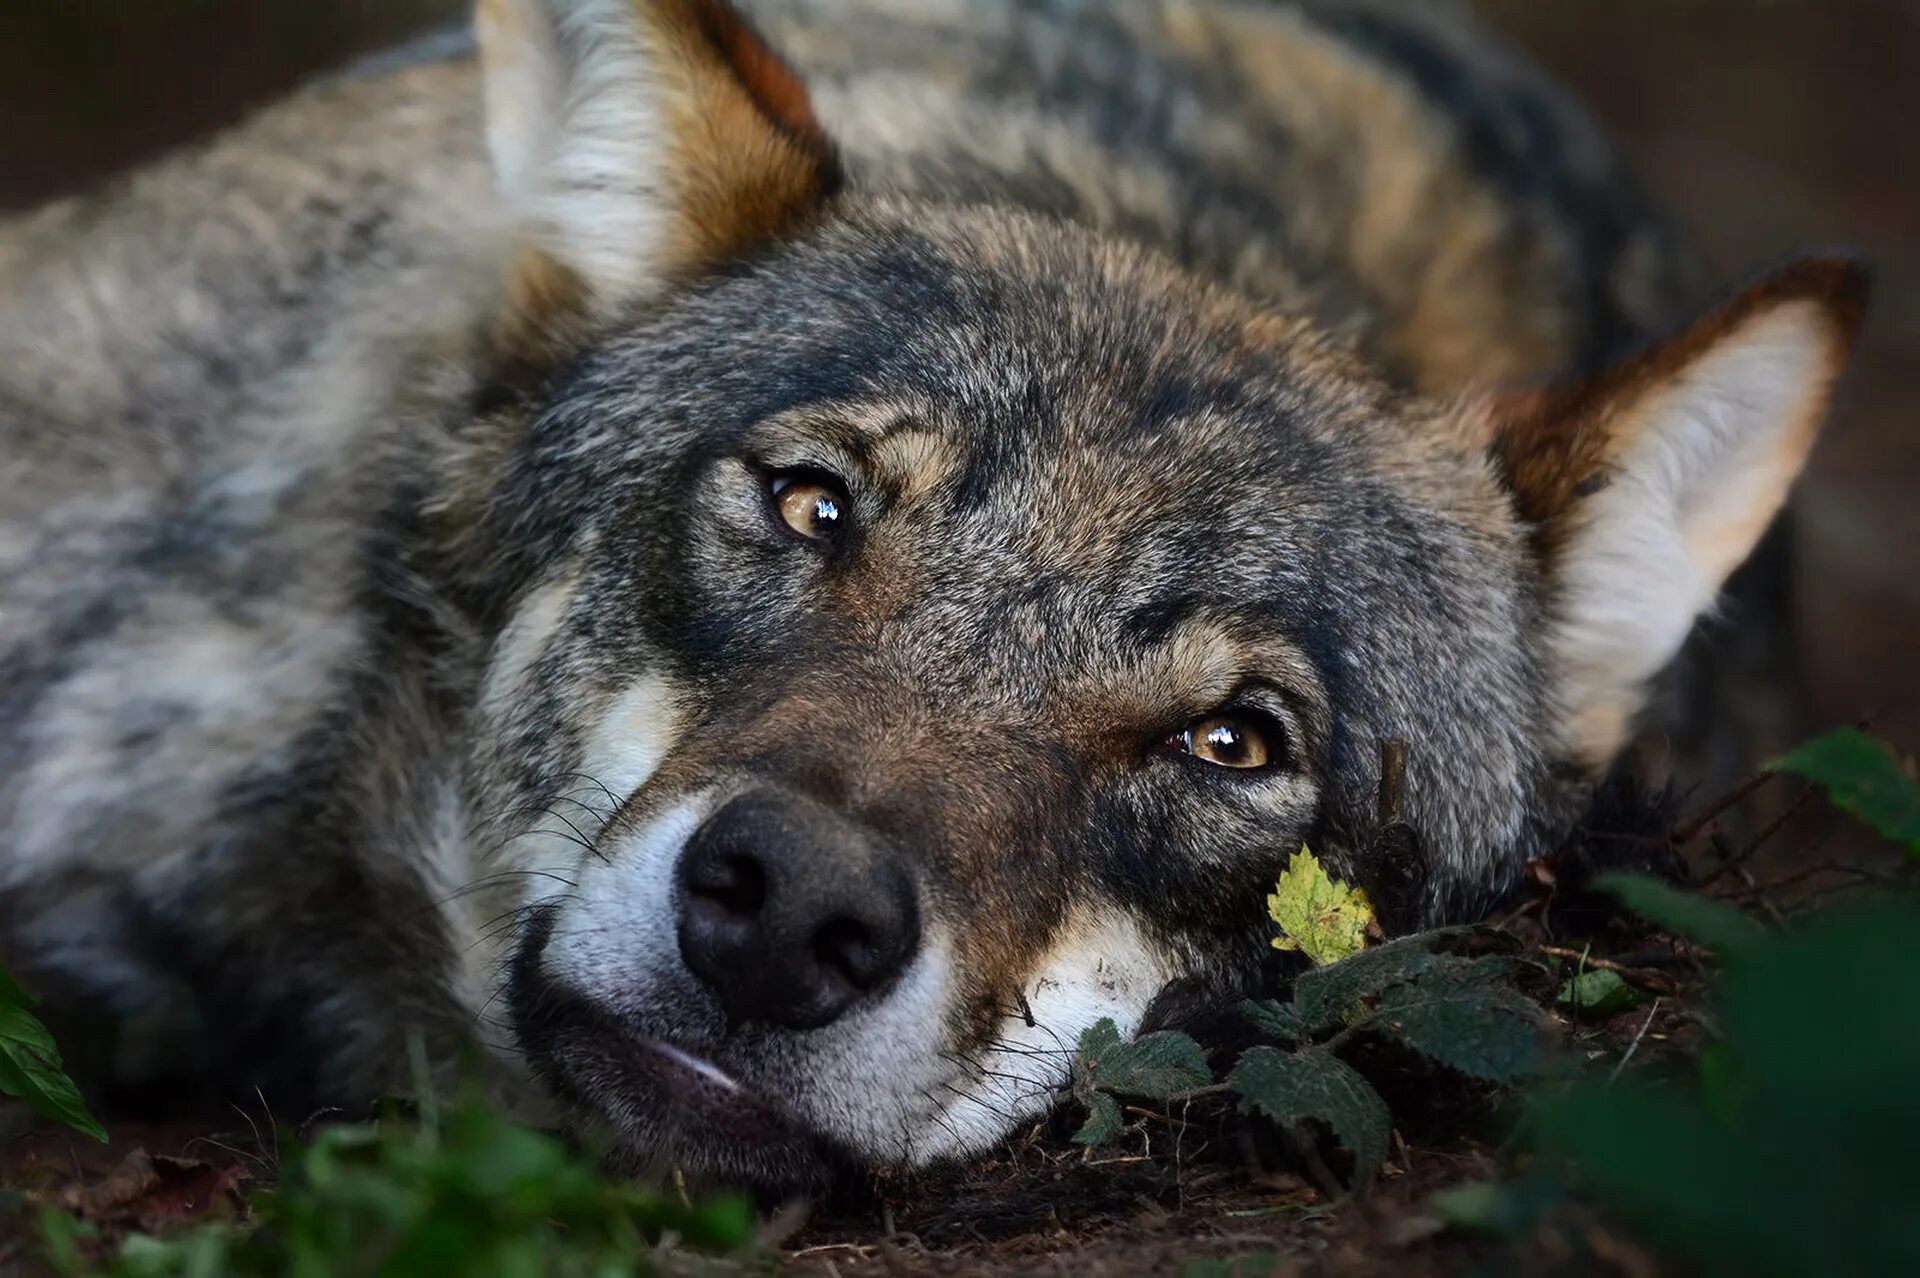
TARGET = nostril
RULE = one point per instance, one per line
(735, 886)
(844, 948)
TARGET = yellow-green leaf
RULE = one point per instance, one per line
(1317, 913)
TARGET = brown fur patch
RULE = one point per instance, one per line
(748, 158)
(540, 291)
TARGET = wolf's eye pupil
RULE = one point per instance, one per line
(813, 508)
(1227, 742)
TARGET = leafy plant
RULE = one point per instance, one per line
(1862, 777)
(1461, 1012)
(1155, 1067)
(30, 1067)
(479, 1195)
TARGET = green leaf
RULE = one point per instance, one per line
(1456, 1016)
(1097, 1041)
(1314, 1083)
(1158, 1066)
(1825, 1012)
(1275, 1020)
(1724, 1089)
(1599, 992)
(1862, 777)
(1154, 1066)
(1317, 913)
(1103, 1120)
(30, 1066)
(1324, 995)
(1715, 924)
(60, 1236)
(1505, 1209)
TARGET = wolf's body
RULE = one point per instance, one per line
(291, 762)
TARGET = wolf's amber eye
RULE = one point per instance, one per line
(811, 505)
(1227, 742)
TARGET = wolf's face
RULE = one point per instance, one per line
(930, 633)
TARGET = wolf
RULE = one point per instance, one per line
(767, 566)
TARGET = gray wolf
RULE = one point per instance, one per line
(772, 566)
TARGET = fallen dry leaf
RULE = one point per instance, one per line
(154, 1192)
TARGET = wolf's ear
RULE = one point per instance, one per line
(1649, 485)
(637, 142)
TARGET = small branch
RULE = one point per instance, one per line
(1393, 781)
(1692, 829)
(1654, 981)
(1635, 1045)
(1732, 859)
(1141, 1111)
(1856, 872)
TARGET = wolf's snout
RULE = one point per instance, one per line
(793, 912)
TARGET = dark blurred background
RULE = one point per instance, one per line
(1767, 124)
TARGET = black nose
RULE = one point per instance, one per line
(791, 912)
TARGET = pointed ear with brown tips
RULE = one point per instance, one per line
(1649, 485)
(639, 142)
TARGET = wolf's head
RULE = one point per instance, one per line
(923, 631)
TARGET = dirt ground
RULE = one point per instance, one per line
(1769, 125)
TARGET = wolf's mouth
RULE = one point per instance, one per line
(664, 1107)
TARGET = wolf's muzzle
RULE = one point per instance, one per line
(792, 912)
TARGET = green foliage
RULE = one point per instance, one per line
(1715, 924)
(1461, 1012)
(1316, 913)
(1862, 777)
(1288, 1087)
(480, 1196)
(1324, 996)
(1509, 1210)
(1790, 1150)
(1598, 992)
(1280, 1022)
(1458, 1016)
(30, 1066)
(1153, 1067)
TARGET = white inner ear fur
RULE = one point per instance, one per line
(576, 132)
(1715, 449)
